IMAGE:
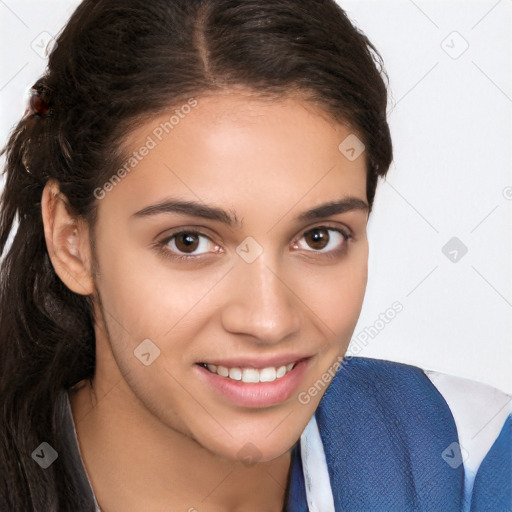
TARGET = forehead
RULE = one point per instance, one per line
(241, 151)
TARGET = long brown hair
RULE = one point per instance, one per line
(116, 63)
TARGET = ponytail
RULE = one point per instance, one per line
(46, 331)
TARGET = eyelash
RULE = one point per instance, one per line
(162, 244)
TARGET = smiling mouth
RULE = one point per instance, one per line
(250, 375)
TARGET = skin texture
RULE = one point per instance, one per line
(157, 437)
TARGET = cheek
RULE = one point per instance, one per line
(143, 296)
(336, 293)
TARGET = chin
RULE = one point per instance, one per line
(252, 449)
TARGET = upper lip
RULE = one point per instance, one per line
(258, 362)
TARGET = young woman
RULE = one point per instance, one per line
(187, 196)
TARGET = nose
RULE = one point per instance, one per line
(261, 303)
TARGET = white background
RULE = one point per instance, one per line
(451, 177)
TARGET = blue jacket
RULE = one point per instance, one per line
(391, 443)
(390, 437)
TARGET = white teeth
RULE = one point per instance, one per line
(251, 375)
(222, 371)
(235, 373)
(281, 371)
(268, 374)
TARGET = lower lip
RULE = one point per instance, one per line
(255, 394)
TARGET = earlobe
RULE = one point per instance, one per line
(67, 241)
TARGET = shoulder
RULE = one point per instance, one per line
(413, 436)
(375, 386)
(472, 405)
(483, 416)
(480, 412)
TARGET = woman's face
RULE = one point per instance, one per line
(217, 249)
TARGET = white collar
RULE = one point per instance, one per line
(316, 475)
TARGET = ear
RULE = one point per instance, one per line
(67, 240)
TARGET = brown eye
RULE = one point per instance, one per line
(186, 242)
(317, 238)
(325, 241)
(188, 245)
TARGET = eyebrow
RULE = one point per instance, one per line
(230, 218)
